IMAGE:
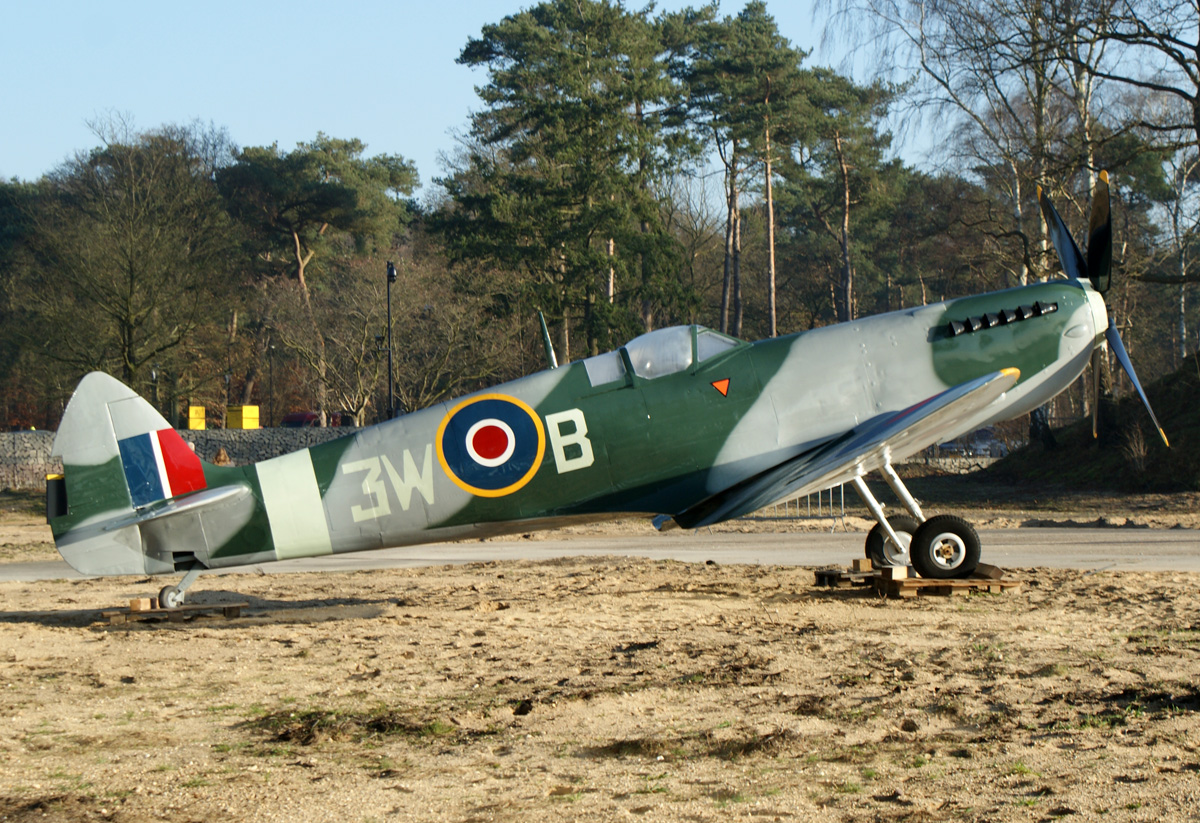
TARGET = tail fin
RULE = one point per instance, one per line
(119, 456)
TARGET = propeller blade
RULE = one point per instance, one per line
(1099, 253)
(1097, 363)
(1114, 341)
(1068, 252)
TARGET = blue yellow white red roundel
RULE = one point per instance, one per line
(491, 445)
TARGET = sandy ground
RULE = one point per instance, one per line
(608, 689)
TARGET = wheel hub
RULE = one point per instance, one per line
(949, 550)
(897, 552)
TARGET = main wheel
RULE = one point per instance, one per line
(944, 547)
(170, 597)
(880, 548)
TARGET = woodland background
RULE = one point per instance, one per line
(625, 170)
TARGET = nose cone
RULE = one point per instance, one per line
(1099, 312)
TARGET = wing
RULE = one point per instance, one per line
(882, 440)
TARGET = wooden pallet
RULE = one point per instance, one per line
(845, 578)
(914, 587)
(181, 613)
(905, 584)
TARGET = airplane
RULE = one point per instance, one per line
(684, 424)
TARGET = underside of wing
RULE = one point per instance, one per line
(886, 439)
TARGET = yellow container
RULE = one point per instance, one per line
(196, 417)
(241, 417)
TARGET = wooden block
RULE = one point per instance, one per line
(988, 572)
(895, 572)
(140, 604)
(862, 564)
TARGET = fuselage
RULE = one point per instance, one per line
(663, 423)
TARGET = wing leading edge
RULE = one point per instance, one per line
(882, 440)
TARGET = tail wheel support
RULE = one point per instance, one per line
(171, 597)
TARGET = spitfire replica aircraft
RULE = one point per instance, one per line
(682, 424)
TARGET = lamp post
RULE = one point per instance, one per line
(380, 349)
(391, 278)
(271, 381)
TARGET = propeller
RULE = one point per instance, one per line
(1097, 268)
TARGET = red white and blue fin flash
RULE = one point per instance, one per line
(159, 465)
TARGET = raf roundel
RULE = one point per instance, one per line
(491, 445)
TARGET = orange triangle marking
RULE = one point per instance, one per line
(722, 386)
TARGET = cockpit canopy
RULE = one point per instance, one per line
(659, 353)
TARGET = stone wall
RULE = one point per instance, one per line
(252, 445)
(25, 456)
(25, 459)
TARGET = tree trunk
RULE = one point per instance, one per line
(611, 248)
(1039, 428)
(564, 338)
(844, 307)
(770, 238)
(1183, 320)
(736, 329)
(1019, 218)
(728, 270)
(302, 261)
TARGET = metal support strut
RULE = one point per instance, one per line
(872, 504)
(897, 485)
(190, 577)
(171, 597)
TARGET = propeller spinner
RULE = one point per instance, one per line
(1097, 270)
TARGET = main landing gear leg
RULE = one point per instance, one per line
(940, 547)
(171, 597)
(889, 539)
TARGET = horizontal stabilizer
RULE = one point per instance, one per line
(180, 506)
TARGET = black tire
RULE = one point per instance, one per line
(170, 597)
(945, 547)
(879, 548)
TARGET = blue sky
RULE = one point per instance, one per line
(383, 72)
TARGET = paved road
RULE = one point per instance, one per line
(1119, 549)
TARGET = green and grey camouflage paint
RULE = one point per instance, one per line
(675, 418)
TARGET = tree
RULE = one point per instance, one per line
(840, 167)
(558, 176)
(745, 93)
(1159, 54)
(127, 248)
(1019, 85)
(300, 204)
